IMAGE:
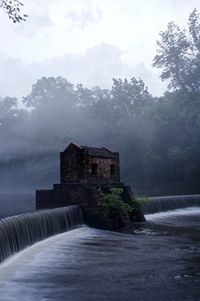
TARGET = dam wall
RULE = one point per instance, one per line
(20, 231)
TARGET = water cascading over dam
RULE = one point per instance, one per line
(20, 231)
(165, 203)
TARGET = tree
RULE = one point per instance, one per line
(8, 109)
(52, 104)
(13, 9)
(178, 55)
(194, 29)
(49, 91)
(130, 97)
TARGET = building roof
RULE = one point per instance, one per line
(98, 152)
(95, 151)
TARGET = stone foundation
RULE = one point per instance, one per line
(87, 196)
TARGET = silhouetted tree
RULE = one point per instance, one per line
(178, 55)
(13, 9)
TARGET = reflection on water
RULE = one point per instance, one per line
(89, 264)
(12, 203)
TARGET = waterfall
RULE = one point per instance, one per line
(20, 231)
(165, 203)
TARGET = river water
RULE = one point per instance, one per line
(16, 202)
(158, 262)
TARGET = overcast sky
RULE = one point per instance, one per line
(87, 41)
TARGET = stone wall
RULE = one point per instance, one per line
(87, 196)
(67, 194)
(103, 170)
(76, 166)
(71, 165)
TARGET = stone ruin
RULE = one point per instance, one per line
(83, 170)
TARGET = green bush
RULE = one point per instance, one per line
(140, 199)
(113, 202)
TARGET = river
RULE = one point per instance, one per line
(159, 262)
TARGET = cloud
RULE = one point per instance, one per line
(83, 17)
(36, 24)
(97, 66)
(12, 76)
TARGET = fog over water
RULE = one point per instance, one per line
(16, 203)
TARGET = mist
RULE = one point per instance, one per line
(103, 95)
(146, 130)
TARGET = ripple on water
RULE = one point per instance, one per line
(89, 264)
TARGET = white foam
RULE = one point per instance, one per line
(35, 248)
(178, 212)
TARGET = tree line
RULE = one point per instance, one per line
(157, 137)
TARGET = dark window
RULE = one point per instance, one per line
(112, 169)
(94, 169)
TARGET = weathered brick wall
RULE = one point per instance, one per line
(71, 165)
(103, 170)
(70, 194)
(67, 194)
(87, 197)
(76, 166)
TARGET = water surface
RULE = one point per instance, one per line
(88, 264)
(12, 203)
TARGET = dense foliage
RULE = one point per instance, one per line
(158, 138)
(112, 202)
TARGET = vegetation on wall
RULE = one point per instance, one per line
(113, 202)
(117, 209)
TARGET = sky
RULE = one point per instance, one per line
(86, 41)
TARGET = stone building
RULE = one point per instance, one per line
(83, 170)
(83, 164)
